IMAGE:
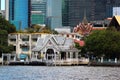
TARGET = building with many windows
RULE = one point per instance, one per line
(38, 11)
(24, 42)
(54, 13)
(73, 10)
(18, 13)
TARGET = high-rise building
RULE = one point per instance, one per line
(54, 13)
(18, 13)
(38, 11)
(73, 10)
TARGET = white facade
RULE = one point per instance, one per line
(24, 42)
(63, 30)
(57, 49)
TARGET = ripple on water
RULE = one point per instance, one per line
(59, 73)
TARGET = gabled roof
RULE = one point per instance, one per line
(56, 42)
(115, 19)
(118, 19)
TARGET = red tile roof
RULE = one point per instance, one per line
(81, 42)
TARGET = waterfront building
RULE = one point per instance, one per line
(54, 13)
(56, 48)
(73, 10)
(24, 42)
(18, 13)
(38, 11)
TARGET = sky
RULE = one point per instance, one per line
(3, 4)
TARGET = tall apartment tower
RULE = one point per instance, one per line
(18, 13)
(54, 13)
(38, 11)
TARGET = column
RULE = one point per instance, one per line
(45, 55)
(14, 57)
(36, 56)
(76, 55)
(101, 59)
(115, 60)
(71, 55)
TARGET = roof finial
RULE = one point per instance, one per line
(85, 19)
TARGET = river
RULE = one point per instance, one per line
(59, 73)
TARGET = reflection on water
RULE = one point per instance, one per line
(59, 73)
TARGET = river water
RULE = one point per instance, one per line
(59, 73)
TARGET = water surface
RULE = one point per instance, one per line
(59, 73)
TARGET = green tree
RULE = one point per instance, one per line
(5, 29)
(41, 29)
(106, 42)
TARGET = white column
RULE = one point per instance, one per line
(76, 55)
(71, 55)
(101, 59)
(14, 57)
(115, 60)
(45, 56)
(36, 55)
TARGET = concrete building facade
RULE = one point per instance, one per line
(24, 42)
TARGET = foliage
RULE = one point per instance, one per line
(5, 29)
(104, 43)
(41, 29)
(82, 48)
(5, 25)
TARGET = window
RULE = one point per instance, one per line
(25, 39)
(12, 40)
(25, 48)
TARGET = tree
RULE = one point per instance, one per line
(5, 29)
(41, 29)
(105, 42)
